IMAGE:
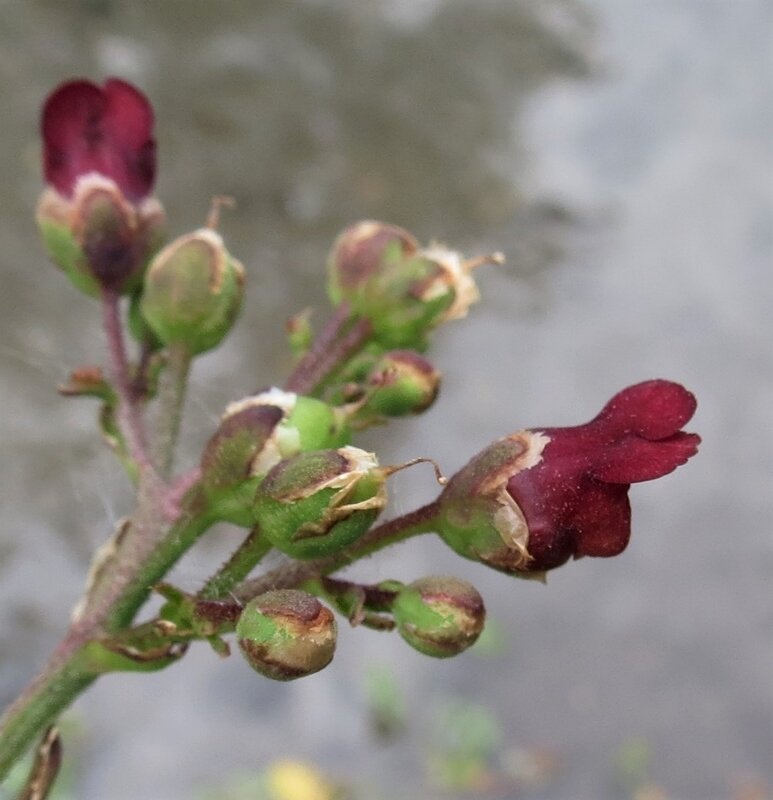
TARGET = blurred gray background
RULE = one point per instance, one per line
(621, 153)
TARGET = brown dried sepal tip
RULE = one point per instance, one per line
(85, 381)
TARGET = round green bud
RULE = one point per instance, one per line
(306, 424)
(439, 616)
(98, 237)
(193, 291)
(317, 503)
(403, 382)
(286, 634)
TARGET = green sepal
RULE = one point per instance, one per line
(317, 503)
(65, 251)
(114, 656)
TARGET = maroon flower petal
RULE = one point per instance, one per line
(602, 521)
(636, 460)
(106, 130)
(652, 409)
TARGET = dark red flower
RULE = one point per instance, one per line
(575, 500)
(109, 130)
(531, 501)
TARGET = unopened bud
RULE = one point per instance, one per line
(255, 434)
(439, 616)
(402, 382)
(227, 462)
(317, 503)
(403, 290)
(286, 634)
(193, 291)
(98, 237)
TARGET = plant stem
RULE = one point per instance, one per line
(140, 561)
(338, 340)
(128, 415)
(63, 679)
(238, 567)
(174, 381)
(163, 555)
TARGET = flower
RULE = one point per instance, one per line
(531, 501)
(98, 222)
(106, 130)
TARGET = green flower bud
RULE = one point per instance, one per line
(193, 291)
(286, 634)
(317, 503)
(98, 237)
(403, 382)
(404, 290)
(229, 457)
(255, 434)
(479, 518)
(439, 616)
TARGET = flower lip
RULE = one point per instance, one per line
(99, 129)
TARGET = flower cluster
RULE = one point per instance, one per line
(283, 462)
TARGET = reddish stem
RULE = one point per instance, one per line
(129, 419)
(340, 338)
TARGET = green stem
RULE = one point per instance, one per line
(63, 679)
(171, 397)
(293, 574)
(193, 521)
(111, 605)
(238, 567)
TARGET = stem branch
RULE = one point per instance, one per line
(293, 573)
(337, 341)
(174, 381)
(128, 415)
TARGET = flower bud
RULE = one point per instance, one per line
(98, 221)
(317, 503)
(439, 616)
(227, 462)
(404, 290)
(531, 501)
(255, 434)
(99, 238)
(286, 634)
(193, 291)
(402, 382)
